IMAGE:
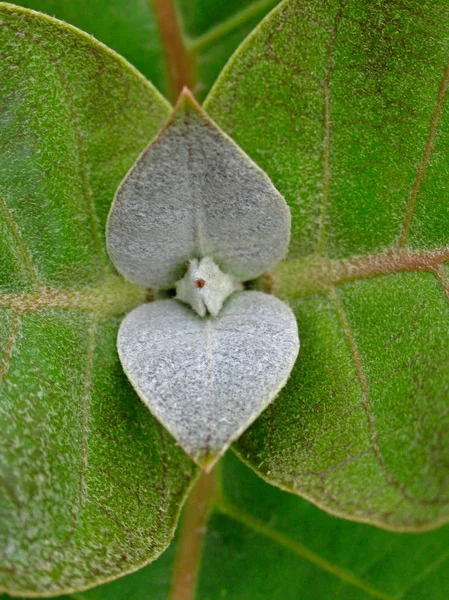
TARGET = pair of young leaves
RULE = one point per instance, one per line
(196, 214)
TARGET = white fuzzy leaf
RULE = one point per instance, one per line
(207, 379)
(194, 193)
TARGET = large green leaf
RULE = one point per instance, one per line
(91, 484)
(247, 540)
(196, 37)
(344, 105)
(129, 28)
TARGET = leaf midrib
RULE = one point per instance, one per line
(295, 278)
(114, 296)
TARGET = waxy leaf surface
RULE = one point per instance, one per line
(91, 484)
(192, 194)
(204, 378)
(344, 105)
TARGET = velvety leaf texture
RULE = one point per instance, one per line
(207, 379)
(209, 31)
(128, 28)
(344, 105)
(260, 542)
(192, 194)
(91, 485)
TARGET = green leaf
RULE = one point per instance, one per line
(246, 539)
(172, 43)
(344, 105)
(129, 28)
(91, 484)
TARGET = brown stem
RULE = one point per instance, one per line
(196, 512)
(314, 274)
(179, 60)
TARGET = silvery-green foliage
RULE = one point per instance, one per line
(205, 287)
(194, 193)
(207, 379)
(196, 214)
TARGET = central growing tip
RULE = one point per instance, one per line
(205, 287)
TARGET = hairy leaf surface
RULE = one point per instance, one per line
(90, 484)
(202, 33)
(129, 28)
(192, 194)
(208, 378)
(256, 541)
(344, 105)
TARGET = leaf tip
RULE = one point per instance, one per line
(187, 100)
(207, 461)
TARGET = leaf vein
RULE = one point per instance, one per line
(313, 274)
(28, 263)
(435, 564)
(364, 387)
(425, 159)
(321, 240)
(205, 40)
(300, 550)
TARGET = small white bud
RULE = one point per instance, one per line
(205, 287)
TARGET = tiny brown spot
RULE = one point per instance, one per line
(199, 283)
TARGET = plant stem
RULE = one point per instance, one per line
(191, 538)
(179, 59)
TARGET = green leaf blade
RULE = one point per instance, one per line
(350, 123)
(129, 30)
(343, 86)
(91, 484)
(365, 405)
(70, 174)
(284, 545)
(260, 542)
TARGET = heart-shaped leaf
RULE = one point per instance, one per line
(91, 484)
(344, 105)
(207, 379)
(193, 193)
